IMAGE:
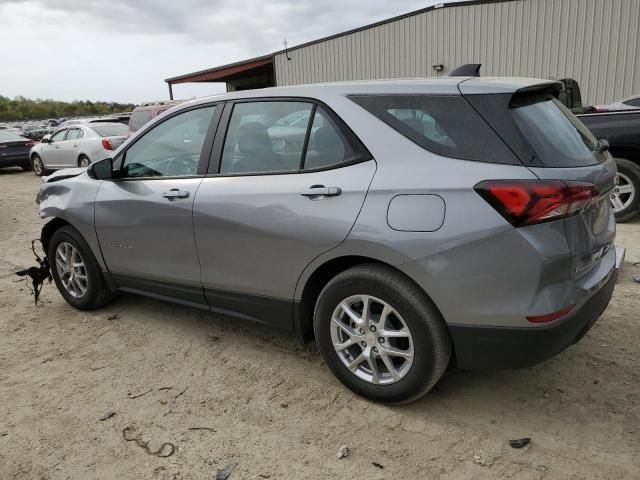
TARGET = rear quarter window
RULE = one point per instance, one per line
(443, 124)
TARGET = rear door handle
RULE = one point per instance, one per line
(175, 193)
(320, 191)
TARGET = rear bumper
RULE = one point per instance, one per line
(483, 348)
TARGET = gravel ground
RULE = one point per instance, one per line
(225, 392)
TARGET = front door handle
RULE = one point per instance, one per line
(175, 193)
(320, 191)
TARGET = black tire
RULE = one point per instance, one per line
(431, 343)
(632, 172)
(26, 165)
(97, 291)
(38, 165)
(82, 159)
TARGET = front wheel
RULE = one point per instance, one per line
(84, 161)
(380, 334)
(76, 271)
(625, 197)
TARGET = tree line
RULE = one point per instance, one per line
(21, 108)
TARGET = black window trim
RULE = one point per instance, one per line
(205, 153)
(363, 154)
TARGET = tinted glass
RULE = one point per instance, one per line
(265, 137)
(58, 136)
(80, 133)
(443, 124)
(634, 102)
(171, 148)
(138, 119)
(110, 130)
(555, 134)
(327, 144)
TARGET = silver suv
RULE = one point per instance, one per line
(400, 224)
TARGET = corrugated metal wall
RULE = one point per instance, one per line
(596, 42)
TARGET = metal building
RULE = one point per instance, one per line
(596, 42)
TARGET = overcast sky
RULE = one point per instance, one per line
(122, 50)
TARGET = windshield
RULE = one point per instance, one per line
(555, 134)
(117, 129)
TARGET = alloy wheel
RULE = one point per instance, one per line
(623, 193)
(37, 165)
(85, 162)
(71, 269)
(371, 339)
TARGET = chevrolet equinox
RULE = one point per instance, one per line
(402, 224)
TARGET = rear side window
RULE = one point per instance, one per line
(138, 119)
(558, 138)
(443, 124)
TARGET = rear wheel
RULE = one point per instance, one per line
(380, 334)
(38, 165)
(76, 271)
(84, 161)
(625, 198)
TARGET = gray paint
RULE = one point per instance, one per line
(256, 235)
(596, 42)
(416, 213)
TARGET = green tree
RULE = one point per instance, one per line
(21, 108)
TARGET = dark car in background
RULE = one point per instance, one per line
(14, 150)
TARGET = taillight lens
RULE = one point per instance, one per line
(30, 144)
(527, 202)
(550, 317)
(106, 143)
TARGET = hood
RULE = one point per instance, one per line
(64, 173)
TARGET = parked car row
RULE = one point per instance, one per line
(77, 145)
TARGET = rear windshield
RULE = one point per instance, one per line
(555, 134)
(110, 130)
(443, 124)
(10, 137)
(138, 119)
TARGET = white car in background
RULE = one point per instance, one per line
(76, 146)
(631, 103)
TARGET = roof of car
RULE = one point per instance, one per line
(442, 85)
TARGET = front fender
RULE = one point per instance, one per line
(71, 201)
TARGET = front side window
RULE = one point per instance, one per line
(58, 136)
(171, 148)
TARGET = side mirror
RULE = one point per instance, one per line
(603, 145)
(46, 139)
(102, 170)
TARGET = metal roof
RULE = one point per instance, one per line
(222, 72)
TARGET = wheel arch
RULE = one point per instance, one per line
(318, 279)
(49, 229)
(80, 155)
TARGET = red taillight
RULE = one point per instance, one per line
(106, 143)
(29, 144)
(526, 202)
(550, 317)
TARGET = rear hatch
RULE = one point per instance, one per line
(113, 134)
(556, 145)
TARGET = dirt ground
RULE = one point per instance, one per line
(225, 392)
